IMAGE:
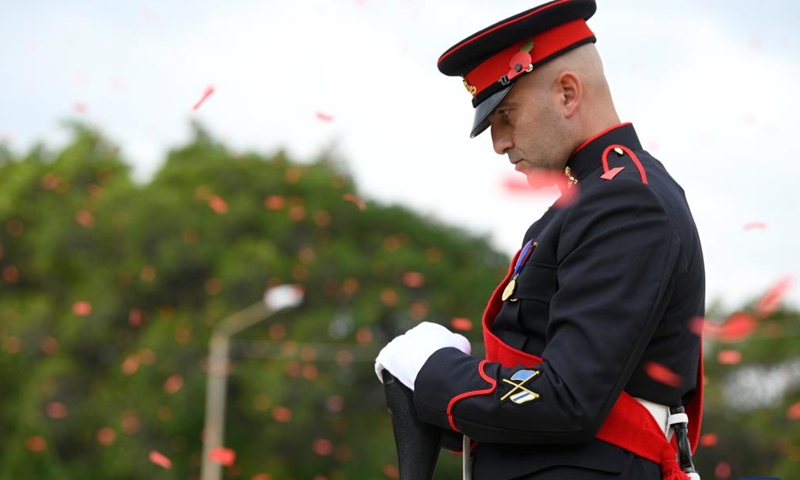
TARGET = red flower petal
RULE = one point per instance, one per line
(223, 456)
(729, 357)
(794, 412)
(173, 384)
(82, 308)
(413, 279)
(708, 439)
(324, 117)
(209, 90)
(218, 204)
(352, 198)
(35, 443)
(322, 447)
(772, 300)
(662, 374)
(609, 175)
(722, 471)
(463, 324)
(736, 328)
(755, 225)
(160, 459)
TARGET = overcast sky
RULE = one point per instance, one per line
(711, 87)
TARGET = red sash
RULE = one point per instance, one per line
(630, 425)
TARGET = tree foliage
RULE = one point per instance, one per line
(110, 289)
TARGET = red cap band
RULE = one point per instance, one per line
(545, 45)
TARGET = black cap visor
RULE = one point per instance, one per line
(485, 108)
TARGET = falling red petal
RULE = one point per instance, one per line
(335, 403)
(463, 324)
(729, 357)
(206, 94)
(322, 447)
(224, 456)
(82, 308)
(755, 225)
(698, 326)
(48, 345)
(106, 436)
(609, 175)
(84, 218)
(130, 365)
(324, 117)
(79, 107)
(160, 459)
(708, 439)
(56, 410)
(568, 196)
(413, 279)
(662, 374)
(736, 328)
(35, 443)
(218, 204)
(274, 202)
(772, 300)
(793, 413)
(515, 184)
(390, 471)
(353, 198)
(364, 335)
(282, 414)
(10, 274)
(135, 317)
(722, 471)
(173, 384)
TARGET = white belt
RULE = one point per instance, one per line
(661, 415)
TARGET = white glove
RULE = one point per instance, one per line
(405, 355)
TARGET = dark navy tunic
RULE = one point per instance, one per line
(607, 296)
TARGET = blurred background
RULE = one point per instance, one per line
(164, 164)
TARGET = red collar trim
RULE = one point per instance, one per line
(587, 142)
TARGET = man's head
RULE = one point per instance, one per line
(552, 110)
(537, 80)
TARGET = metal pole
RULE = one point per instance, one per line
(216, 386)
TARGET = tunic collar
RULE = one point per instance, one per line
(587, 158)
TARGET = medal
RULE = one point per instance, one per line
(509, 290)
(523, 257)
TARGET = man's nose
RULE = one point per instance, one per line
(501, 140)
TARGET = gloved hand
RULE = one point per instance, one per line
(405, 355)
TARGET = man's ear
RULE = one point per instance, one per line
(570, 91)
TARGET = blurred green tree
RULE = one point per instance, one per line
(110, 288)
(751, 419)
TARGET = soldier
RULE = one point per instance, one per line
(590, 354)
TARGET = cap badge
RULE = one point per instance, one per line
(520, 63)
(470, 88)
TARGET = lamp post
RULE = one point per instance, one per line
(275, 299)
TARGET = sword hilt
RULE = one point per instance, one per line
(684, 446)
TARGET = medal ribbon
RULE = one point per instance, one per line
(523, 257)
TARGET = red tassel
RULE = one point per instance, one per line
(670, 470)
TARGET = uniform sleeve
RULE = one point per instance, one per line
(616, 254)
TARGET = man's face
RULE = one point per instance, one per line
(529, 128)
